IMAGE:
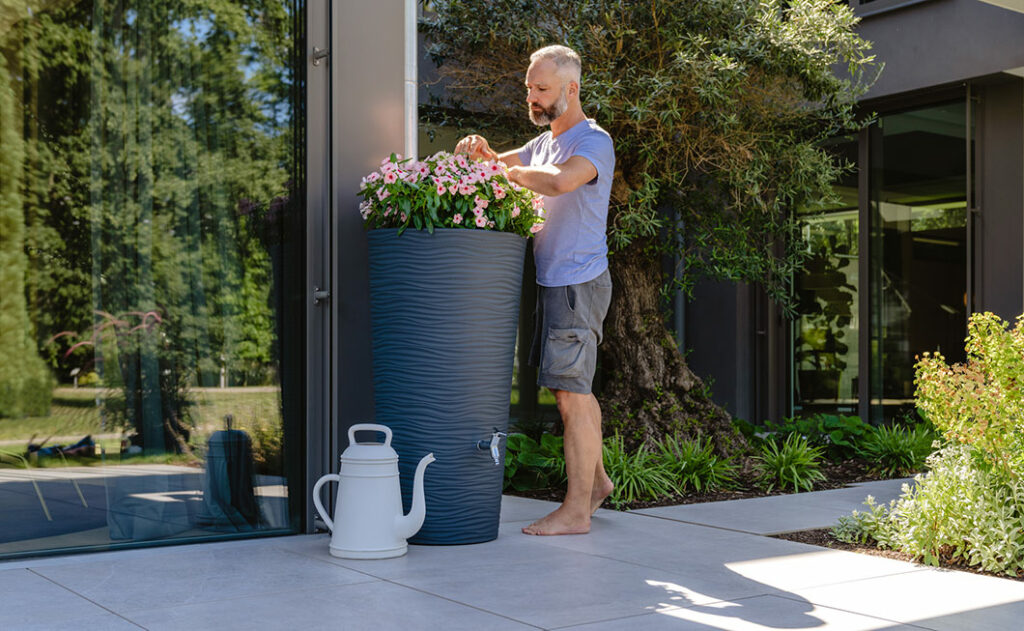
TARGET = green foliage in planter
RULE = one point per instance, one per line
(793, 463)
(534, 465)
(965, 509)
(639, 475)
(838, 436)
(979, 402)
(694, 465)
(895, 451)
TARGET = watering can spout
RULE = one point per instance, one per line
(408, 525)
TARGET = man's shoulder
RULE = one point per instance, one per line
(595, 133)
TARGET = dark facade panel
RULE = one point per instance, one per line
(940, 42)
(999, 241)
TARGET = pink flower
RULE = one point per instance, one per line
(453, 189)
(481, 202)
(423, 169)
(373, 177)
(467, 189)
(404, 217)
(390, 177)
(382, 194)
(461, 161)
(441, 190)
(457, 218)
(537, 227)
(538, 203)
(479, 212)
(490, 224)
(390, 210)
(364, 209)
(499, 191)
(515, 210)
(481, 221)
(494, 168)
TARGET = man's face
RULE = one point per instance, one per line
(545, 92)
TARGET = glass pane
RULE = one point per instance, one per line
(918, 248)
(826, 331)
(151, 210)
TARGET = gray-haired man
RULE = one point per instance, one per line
(572, 167)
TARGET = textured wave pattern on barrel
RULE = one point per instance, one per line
(445, 309)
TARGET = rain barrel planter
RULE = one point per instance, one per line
(445, 310)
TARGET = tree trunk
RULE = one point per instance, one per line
(648, 391)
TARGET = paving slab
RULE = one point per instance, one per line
(633, 571)
(760, 613)
(782, 513)
(378, 606)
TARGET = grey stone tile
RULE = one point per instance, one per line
(29, 601)
(760, 613)
(380, 606)
(550, 586)
(198, 574)
(524, 509)
(711, 558)
(781, 513)
(943, 600)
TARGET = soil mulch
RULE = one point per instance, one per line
(823, 538)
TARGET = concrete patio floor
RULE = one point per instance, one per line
(694, 567)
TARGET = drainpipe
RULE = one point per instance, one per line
(411, 80)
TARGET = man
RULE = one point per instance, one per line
(571, 166)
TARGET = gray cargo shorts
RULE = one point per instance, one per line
(567, 329)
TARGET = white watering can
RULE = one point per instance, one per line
(368, 521)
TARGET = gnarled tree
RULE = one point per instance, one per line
(718, 110)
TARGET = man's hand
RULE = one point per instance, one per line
(476, 148)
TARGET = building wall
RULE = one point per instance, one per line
(999, 232)
(943, 41)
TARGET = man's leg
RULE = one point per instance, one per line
(588, 484)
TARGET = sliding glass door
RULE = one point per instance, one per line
(151, 251)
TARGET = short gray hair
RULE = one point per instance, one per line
(566, 60)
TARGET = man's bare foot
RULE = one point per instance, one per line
(602, 490)
(559, 523)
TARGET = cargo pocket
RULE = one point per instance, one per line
(565, 352)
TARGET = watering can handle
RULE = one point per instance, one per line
(369, 427)
(316, 498)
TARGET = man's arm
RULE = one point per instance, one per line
(476, 148)
(554, 179)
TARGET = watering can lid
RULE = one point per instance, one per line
(369, 452)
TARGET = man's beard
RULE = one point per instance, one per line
(548, 114)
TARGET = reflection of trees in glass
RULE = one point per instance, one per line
(825, 303)
(24, 379)
(156, 133)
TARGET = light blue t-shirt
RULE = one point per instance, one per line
(572, 249)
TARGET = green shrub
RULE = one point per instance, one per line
(639, 475)
(964, 510)
(533, 465)
(876, 526)
(838, 436)
(794, 463)
(89, 379)
(979, 402)
(693, 464)
(26, 391)
(894, 451)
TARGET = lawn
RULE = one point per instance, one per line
(76, 413)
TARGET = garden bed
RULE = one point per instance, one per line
(837, 476)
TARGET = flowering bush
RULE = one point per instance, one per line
(448, 191)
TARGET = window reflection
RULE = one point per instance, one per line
(149, 178)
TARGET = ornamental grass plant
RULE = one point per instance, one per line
(448, 191)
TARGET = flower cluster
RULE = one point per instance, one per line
(448, 191)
